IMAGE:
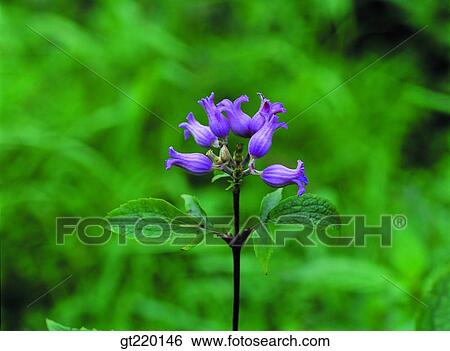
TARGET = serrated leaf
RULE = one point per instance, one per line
(154, 209)
(263, 251)
(273, 207)
(54, 326)
(437, 314)
(310, 206)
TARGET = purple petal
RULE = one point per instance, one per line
(238, 120)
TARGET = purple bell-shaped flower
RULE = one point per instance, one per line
(194, 163)
(265, 112)
(239, 121)
(261, 141)
(217, 121)
(279, 176)
(202, 135)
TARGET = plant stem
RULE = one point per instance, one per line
(236, 259)
(236, 281)
(236, 193)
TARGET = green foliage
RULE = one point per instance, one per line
(153, 209)
(193, 206)
(54, 326)
(270, 201)
(220, 176)
(339, 273)
(273, 208)
(436, 315)
(263, 252)
(263, 246)
(309, 206)
(142, 208)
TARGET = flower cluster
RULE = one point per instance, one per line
(228, 115)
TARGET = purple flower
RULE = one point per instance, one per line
(266, 110)
(279, 176)
(194, 163)
(261, 141)
(239, 121)
(202, 134)
(217, 121)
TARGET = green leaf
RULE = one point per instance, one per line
(308, 205)
(153, 208)
(269, 202)
(436, 314)
(54, 326)
(219, 176)
(230, 186)
(263, 251)
(272, 207)
(148, 207)
(193, 206)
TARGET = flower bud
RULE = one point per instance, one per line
(217, 121)
(261, 141)
(203, 135)
(194, 163)
(212, 156)
(224, 154)
(239, 121)
(279, 176)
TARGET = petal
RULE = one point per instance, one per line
(169, 163)
(185, 126)
(172, 152)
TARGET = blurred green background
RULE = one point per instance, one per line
(72, 145)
